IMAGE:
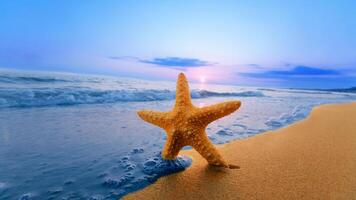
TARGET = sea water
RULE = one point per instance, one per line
(68, 136)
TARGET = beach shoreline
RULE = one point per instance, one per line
(312, 159)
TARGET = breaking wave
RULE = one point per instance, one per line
(19, 89)
(16, 79)
(38, 97)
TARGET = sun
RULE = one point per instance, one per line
(202, 79)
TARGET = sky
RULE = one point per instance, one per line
(299, 44)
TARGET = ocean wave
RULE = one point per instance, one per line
(39, 97)
(29, 79)
(298, 113)
(206, 93)
(296, 91)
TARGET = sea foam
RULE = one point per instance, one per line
(38, 90)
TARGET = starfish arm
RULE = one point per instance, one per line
(209, 152)
(182, 92)
(211, 113)
(154, 117)
(172, 147)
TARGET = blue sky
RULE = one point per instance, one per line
(309, 44)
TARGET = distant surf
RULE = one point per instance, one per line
(70, 96)
(38, 90)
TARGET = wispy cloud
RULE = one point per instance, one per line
(305, 77)
(177, 62)
(306, 71)
(253, 65)
(297, 71)
(127, 58)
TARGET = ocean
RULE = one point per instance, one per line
(70, 136)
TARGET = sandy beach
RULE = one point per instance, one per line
(312, 159)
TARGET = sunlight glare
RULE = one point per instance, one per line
(202, 79)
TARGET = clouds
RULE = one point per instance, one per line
(253, 65)
(127, 58)
(177, 62)
(306, 71)
(252, 74)
(306, 77)
(297, 71)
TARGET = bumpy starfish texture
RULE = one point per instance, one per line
(185, 124)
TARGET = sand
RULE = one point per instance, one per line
(311, 159)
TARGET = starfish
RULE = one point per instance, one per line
(185, 125)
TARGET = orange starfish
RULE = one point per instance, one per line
(185, 124)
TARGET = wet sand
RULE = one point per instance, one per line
(312, 159)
